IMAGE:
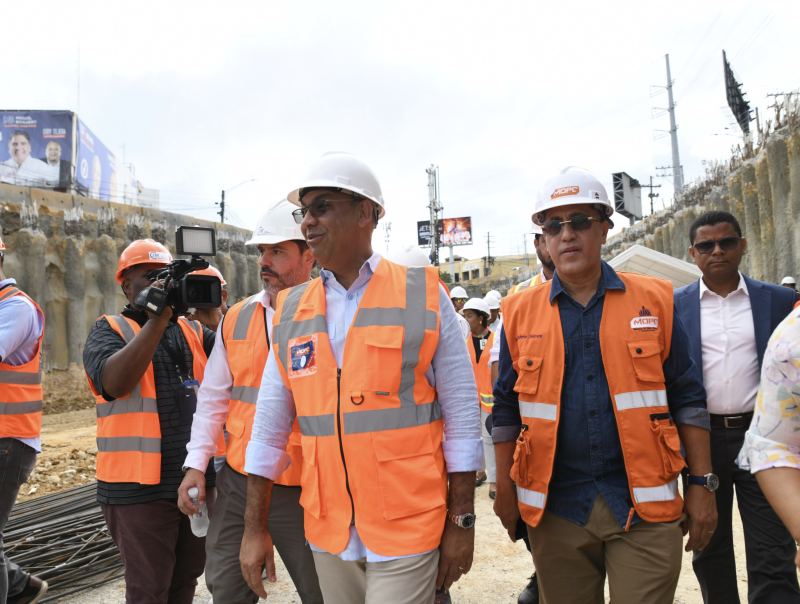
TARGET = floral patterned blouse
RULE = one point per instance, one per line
(773, 440)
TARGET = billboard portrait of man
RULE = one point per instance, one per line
(52, 156)
(97, 178)
(24, 170)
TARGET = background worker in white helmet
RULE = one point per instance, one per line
(596, 393)
(789, 282)
(477, 314)
(459, 297)
(227, 397)
(493, 301)
(370, 360)
(544, 259)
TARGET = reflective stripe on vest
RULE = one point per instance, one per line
(482, 371)
(372, 431)
(635, 335)
(21, 397)
(245, 322)
(128, 428)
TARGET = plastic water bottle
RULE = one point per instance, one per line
(200, 520)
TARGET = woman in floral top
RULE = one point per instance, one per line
(772, 444)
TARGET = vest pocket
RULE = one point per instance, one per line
(646, 358)
(529, 368)
(311, 494)
(409, 478)
(384, 357)
(670, 441)
(519, 469)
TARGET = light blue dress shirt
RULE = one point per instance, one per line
(450, 372)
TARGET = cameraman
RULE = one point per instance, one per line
(142, 369)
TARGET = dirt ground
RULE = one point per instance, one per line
(500, 570)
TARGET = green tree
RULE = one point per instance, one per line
(444, 276)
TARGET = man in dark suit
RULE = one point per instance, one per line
(53, 158)
(729, 318)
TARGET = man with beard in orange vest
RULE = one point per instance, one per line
(142, 369)
(370, 359)
(596, 393)
(228, 396)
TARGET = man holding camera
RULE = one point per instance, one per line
(228, 396)
(143, 369)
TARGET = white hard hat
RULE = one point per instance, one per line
(478, 304)
(340, 170)
(458, 292)
(788, 281)
(536, 229)
(492, 301)
(276, 226)
(571, 186)
(495, 293)
(411, 255)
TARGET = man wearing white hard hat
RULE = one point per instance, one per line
(494, 307)
(789, 282)
(370, 360)
(459, 297)
(227, 397)
(596, 392)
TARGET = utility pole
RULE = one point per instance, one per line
(489, 260)
(525, 244)
(222, 208)
(387, 228)
(677, 173)
(435, 207)
(651, 195)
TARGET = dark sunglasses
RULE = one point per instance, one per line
(318, 208)
(579, 222)
(726, 244)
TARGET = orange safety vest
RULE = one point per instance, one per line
(21, 387)
(483, 372)
(244, 334)
(635, 337)
(372, 431)
(128, 428)
(537, 280)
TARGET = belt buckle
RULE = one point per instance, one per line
(739, 417)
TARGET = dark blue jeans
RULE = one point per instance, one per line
(16, 464)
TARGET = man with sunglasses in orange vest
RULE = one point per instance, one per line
(143, 370)
(370, 360)
(596, 393)
(228, 396)
(21, 333)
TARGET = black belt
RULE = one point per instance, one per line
(732, 421)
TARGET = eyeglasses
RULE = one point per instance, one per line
(318, 208)
(726, 244)
(462, 300)
(579, 222)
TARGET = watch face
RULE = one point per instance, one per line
(468, 521)
(712, 482)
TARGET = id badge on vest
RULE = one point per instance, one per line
(303, 356)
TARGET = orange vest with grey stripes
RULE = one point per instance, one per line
(372, 431)
(483, 372)
(537, 280)
(128, 428)
(635, 336)
(244, 334)
(21, 387)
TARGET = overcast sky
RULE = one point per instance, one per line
(499, 95)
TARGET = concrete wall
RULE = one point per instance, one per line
(63, 252)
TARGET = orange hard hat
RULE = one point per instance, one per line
(212, 272)
(142, 251)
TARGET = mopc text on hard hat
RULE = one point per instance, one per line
(562, 191)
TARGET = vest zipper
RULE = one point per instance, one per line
(341, 446)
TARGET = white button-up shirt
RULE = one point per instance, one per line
(730, 359)
(450, 373)
(214, 398)
(32, 172)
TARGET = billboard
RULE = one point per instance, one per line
(96, 167)
(452, 231)
(36, 148)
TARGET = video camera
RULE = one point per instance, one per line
(182, 290)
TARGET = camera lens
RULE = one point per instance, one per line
(192, 294)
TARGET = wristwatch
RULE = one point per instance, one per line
(465, 521)
(709, 481)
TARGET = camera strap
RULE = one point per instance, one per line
(266, 330)
(179, 360)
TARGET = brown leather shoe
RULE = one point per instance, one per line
(33, 592)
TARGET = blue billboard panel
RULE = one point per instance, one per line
(36, 148)
(96, 167)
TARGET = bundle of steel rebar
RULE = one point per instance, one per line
(62, 538)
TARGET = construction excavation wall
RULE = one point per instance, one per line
(63, 252)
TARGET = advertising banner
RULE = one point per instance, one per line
(36, 148)
(452, 231)
(96, 167)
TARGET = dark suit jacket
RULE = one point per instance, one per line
(64, 170)
(770, 303)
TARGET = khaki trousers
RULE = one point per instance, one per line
(643, 565)
(402, 581)
(224, 540)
